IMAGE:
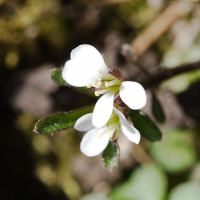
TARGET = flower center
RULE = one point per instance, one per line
(112, 127)
(104, 82)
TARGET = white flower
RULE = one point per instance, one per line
(96, 139)
(87, 68)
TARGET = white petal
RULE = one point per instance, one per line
(103, 110)
(89, 53)
(91, 145)
(133, 94)
(84, 123)
(130, 132)
(77, 73)
(120, 114)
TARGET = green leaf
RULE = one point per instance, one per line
(173, 158)
(60, 121)
(186, 191)
(173, 153)
(56, 75)
(111, 155)
(157, 110)
(145, 125)
(146, 183)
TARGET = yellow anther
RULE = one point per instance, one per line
(99, 135)
(99, 71)
(106, 83)
(110, 134)
(89, 85)
(97, 93)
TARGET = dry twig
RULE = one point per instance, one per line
(157, 28)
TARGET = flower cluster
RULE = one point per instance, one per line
(87, 68)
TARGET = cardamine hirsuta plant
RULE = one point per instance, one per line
(87, 68)
(116, 111)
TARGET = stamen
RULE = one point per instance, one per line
(97, 93)
(110, 134)
(103, 91)
(106, 83)
(99, 71)
(114, 82)
(99, 135)
(89, 85)
(97, 82)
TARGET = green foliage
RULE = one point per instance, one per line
(111, 155)
(146, 183)
(157, 110)
(186, 191)
(177, 56)
(60, 121)
(145, 125)
(174, 153)
(56, 75)
(182, 82)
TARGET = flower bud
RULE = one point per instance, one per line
(117, 74)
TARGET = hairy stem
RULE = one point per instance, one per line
(169, 73)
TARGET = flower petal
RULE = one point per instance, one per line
(77, 73)
(120, 114)
(103, 110)
(133, 94)
(91, 145)
(84, 123)
(91, 54)
(130, 132)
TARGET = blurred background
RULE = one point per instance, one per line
(36, 36)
